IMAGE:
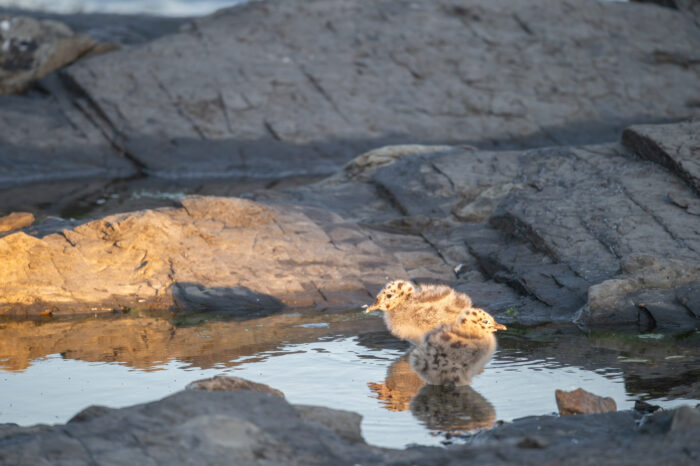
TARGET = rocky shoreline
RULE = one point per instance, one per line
(255, 427)
(542, 158)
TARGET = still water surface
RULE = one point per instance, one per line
(51, 370)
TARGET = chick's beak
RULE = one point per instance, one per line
(373, 307)
(498, 326)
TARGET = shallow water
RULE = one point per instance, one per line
(50, 370)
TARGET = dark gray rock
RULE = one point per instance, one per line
(675, 146)
(311, 84)
(258, 428)
(43, 140)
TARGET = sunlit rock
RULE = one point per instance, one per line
(580, 401)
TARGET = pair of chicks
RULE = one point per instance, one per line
(454, 340)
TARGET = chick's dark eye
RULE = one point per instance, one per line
(389, 295)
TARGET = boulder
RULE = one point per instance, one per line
(231, 384)
(30, 49)
(580, 401)
(650, 294)
(226, 254)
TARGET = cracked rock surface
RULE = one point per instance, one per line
(273, 89)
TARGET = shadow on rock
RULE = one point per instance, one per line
(238, 303)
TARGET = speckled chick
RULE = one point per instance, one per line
(410, 311)
(454, 353)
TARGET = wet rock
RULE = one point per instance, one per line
(580, 401)
(649, 294)
(30, 49)
(675, 146)
(345, 424)
(317, 84)
(16, 221)
(231, 384)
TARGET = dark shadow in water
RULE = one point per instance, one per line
(451, 409)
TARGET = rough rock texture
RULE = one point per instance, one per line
(15, 221)
(30, 49)
(345, 424)
(580, 401)
(301, 86)
(231, 384)
(220, 254)
(258, 428)
(651, 293)
(675, 146)
(550, 231)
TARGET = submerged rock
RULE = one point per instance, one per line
(580, 401)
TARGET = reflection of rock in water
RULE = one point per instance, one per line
(145, 341)
(400, 386)
(459, 409)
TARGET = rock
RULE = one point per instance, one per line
(44, 141)
(104, 28)
(645, 295)
(685, 419)
(644, 407)
(231, 384)
(30, 49)
(317, 84)
(345, 424)
(580, 401)
(254, 428)
(675, 146)
(89, 413)
(16, 221)
(211, 251)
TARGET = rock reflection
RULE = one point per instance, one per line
(145, 341)
(453, 409)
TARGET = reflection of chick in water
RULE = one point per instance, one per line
(453, 353)
(400, 386)
(453, 409)
(439, 408)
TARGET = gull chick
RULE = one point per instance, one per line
(453, 353)
(410, 311)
